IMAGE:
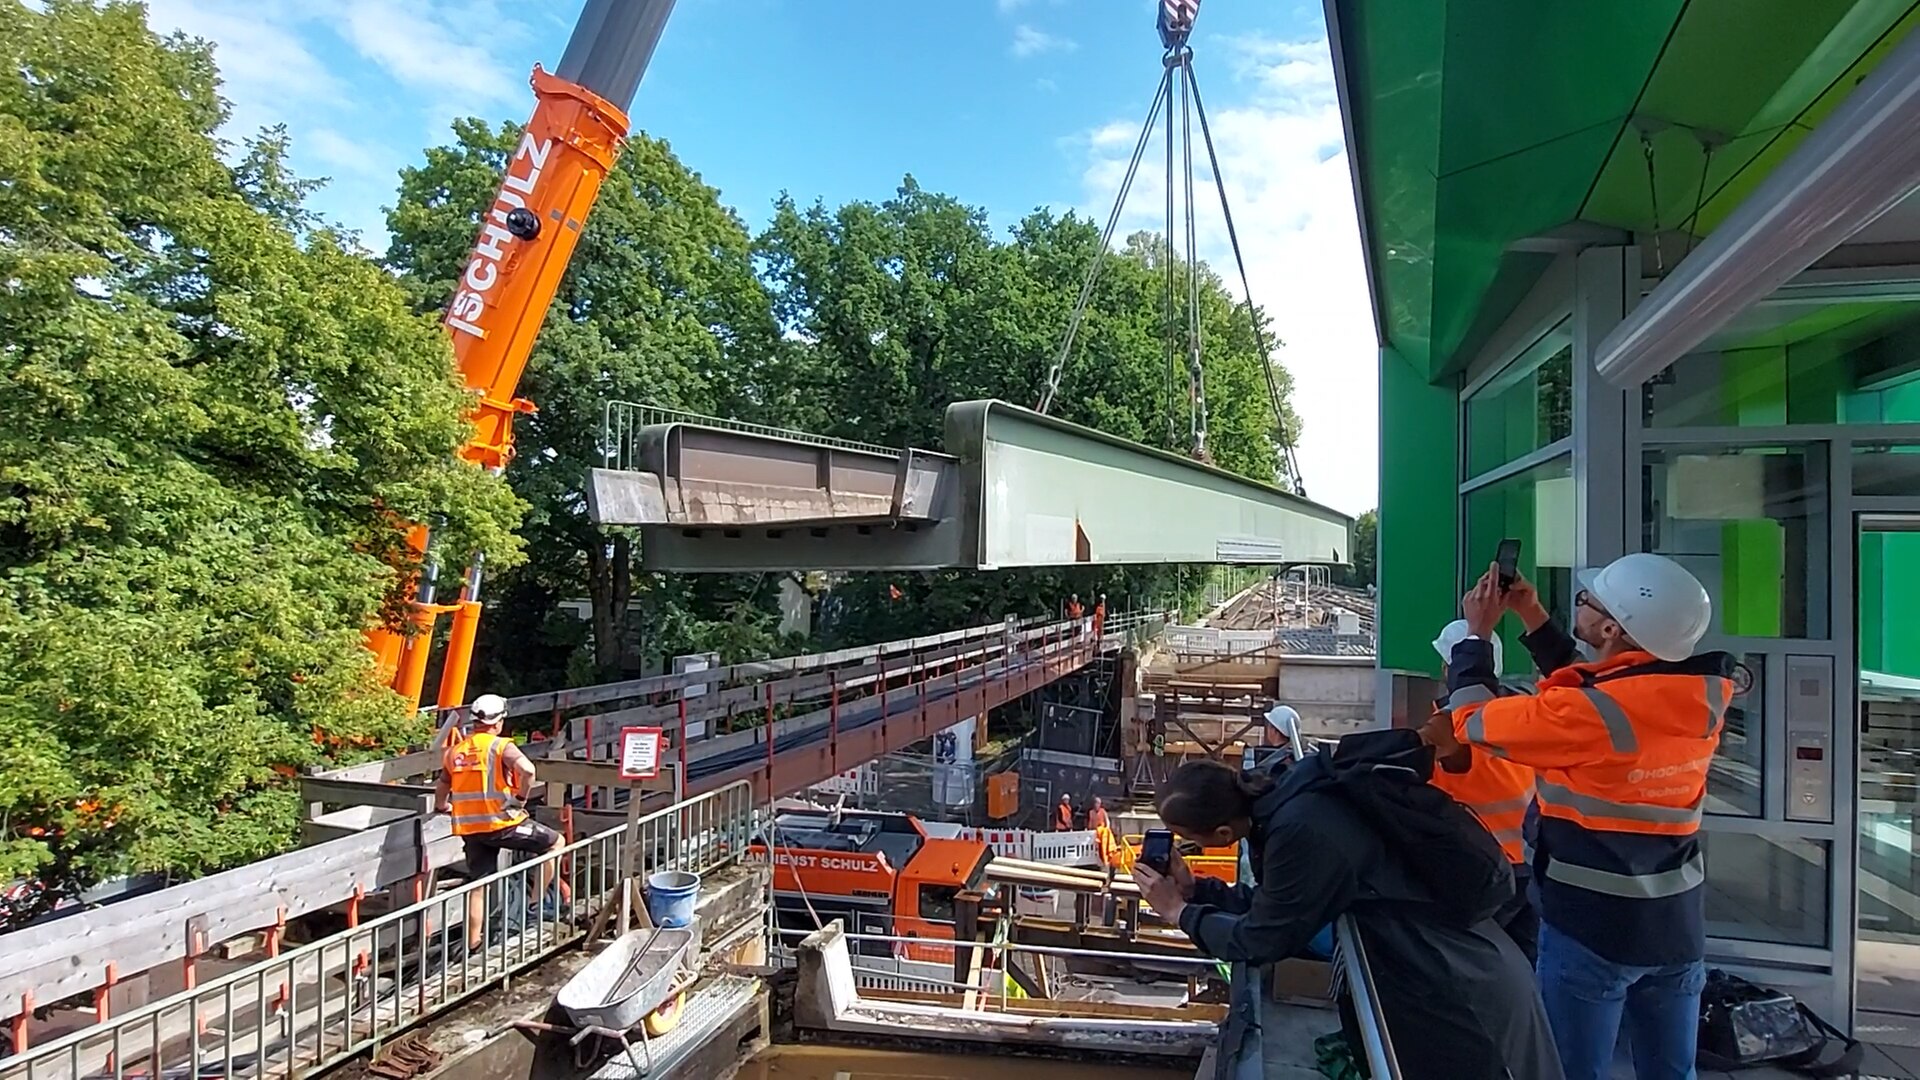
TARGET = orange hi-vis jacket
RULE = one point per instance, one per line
(477, 776)
(1620, 751)
(1498, 792)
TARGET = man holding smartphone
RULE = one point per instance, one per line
(1621, 744)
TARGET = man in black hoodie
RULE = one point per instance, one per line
(1459, 1003)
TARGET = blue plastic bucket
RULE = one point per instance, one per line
(671, 898)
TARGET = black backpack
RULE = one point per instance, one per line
(1384, 775)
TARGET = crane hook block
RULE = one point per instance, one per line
(1175, 22)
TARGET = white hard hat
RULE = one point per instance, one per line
(1454, 634)
(488, 707)
(1284, 718)
(1662, 607)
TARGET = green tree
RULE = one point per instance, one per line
(660, 305)
(1366, 551)
(219, 417)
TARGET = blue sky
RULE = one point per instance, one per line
(1006, 104)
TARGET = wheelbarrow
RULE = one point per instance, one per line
(636, 982)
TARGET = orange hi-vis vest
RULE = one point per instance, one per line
(476, 774)
(1620, 751)
(1498, 792)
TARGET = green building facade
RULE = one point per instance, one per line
(1530, 179)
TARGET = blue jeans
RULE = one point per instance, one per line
(1587, 996)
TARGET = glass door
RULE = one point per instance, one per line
(1887, 951)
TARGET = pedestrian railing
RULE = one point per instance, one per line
(623, 421)
(314, 1006)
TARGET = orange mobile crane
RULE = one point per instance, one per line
(526, 239)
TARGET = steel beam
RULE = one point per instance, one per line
(1021, 489)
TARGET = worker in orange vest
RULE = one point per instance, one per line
(1499, 793)
(484, 782)
(1621, 743)
(1100, 615)
(1097, 815)
(1075, 611)
(1063, 815)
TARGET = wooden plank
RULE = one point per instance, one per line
(585, 822)
(65, 957)
(410, 797)
(346, 822)
(404, 767)
(595, 774)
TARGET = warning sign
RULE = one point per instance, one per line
(640, 753)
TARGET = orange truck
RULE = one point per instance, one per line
(878, 873)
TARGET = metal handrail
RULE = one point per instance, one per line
(323, 1003)
(1350, 952)
(622, 420)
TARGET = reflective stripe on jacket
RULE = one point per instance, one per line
(475, 767)
(1620, 752)
(1498, 792)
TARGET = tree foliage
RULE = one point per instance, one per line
(218, 418)
(1366, 548)
(221, 414)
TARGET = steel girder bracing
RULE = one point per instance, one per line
(1016, 488)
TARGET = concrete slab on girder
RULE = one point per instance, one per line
(1022, 489)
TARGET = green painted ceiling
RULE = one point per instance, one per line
(1478, 123)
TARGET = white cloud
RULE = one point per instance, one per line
(1276, 125)
(1029, 41)
(264, 64)
(362, 85)
(343, 153)
(442, 53)
(1011, 5)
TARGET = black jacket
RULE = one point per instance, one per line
(1460, 1004)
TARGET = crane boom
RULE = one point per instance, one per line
(527, 237)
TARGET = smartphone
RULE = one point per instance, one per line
(1156, 850)
(1508, 560)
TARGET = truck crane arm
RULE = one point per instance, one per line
(527, 237)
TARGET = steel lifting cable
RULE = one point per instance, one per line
(1177, 18)
(1291, 461)
(1106, 239)
(1196, 377)
(1166, 253)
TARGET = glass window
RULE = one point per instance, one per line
(1886, 469)
(1526, 407)
(1798, 361)
(936, 902)
(1536, 507)
(1766, 888)
(1889, 854)
(1751, 524)
(1733, 781)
